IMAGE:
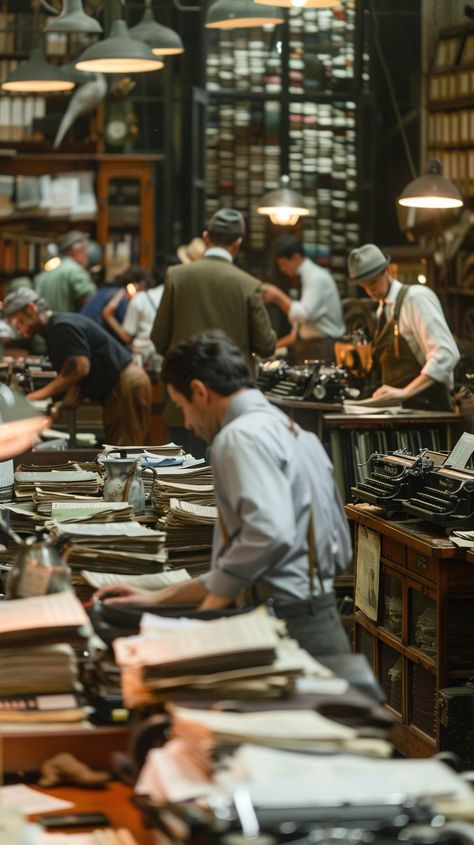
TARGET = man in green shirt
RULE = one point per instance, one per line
(69, 286)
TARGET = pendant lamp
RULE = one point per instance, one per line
(236, 14)
(432, 190)
(301, 4)
(73, 18)
(283, 206)
(163, 40)
(37, 76)
(119, 53)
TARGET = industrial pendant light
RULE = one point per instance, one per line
(162, 40)
(73, 18)
(37, 76)
(301, 4)
(237, 14)
(432, 190)
(283, 206)
(119, 53)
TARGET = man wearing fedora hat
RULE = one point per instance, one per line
(212, 294)
(413, 347)
(70, 285)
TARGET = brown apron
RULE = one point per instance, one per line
(398, 365)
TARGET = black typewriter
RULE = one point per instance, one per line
(312, 381)
(394, 477)
(446, 498)
(32, 373)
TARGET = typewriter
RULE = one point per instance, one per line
(446, 498)
(311, 381)
(32, 373)
(394, 477)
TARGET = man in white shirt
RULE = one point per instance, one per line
(413, 345)
(316, 318)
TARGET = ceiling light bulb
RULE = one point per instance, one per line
(283, 206)
(283, 217)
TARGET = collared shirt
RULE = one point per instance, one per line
(66, 287)
(318, 313)
(218, 252)
(424, 327)
(264, 497)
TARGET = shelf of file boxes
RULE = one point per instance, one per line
(247, 116)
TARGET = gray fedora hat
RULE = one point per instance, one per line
(366, 263)
(18, 299)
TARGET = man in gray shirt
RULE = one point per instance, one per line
(275, 490)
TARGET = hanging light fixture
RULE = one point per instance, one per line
(73, 18)
(37, 76)
(236, 14)
(301, 4)
(163, 40)
(119, 53)
(283, 206)
(432, 190)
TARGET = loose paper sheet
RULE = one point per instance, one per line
(367, 572)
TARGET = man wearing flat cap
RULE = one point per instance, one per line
(212, 294)
(69, 286)
(90, 364)
(413, 347)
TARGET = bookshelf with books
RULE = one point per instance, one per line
(43, 195)
(286, 101)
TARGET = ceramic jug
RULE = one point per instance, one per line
(124, 482)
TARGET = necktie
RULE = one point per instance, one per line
(382, 319)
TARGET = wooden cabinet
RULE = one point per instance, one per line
(422, 638)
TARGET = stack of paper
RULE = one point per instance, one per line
(126, 547)
(164, 491)
(80, 511)
(237, 657)
(189, 528)
(48, 484)
(85, 583)
(58, 617)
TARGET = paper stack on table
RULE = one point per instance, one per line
(125, 547)
(45, 485)
(189, 528)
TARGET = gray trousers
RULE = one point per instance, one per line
(316, 625)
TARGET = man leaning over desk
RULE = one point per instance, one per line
(275, 494)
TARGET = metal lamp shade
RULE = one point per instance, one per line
(20, 423)
(119, 53)
(432, 190)
(235, 14)
(162, 40)
(73, 18)
(301, 4)
(37, 76)
(283, 206)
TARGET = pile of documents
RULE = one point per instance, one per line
(126, 547)
(241, 656)
(164, 491)
(45, 486)
(40, 683)
(86, 583)
(189, 528)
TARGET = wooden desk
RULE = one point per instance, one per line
(114, 801)
(309, 415)
(425, 580)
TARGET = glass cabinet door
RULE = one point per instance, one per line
(422, 623)
(391, 676)
(422, 699)
(391, 604)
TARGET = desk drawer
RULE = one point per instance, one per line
(393, 550)
(422, 565)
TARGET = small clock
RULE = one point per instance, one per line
(116, 131)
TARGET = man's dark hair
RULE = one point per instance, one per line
(211, 357)
(134, 275)
(287, 245)
(222, 239)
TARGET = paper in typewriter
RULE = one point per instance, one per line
(461, 452)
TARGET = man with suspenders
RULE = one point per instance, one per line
(413, 347)
(282, 534)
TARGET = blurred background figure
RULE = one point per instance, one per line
(69, 285)
(117, 291)
(192, 251)
(139, 300)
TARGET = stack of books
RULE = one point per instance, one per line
(124, 547)
(51, 486)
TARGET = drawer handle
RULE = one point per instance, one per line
(421, 562)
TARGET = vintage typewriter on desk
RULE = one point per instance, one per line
(32, 373)
(445, 499)
(395, 477)
(310, 382)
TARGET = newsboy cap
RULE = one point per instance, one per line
(366, 263)
(66, 242)
(227, 221)
(18, 299)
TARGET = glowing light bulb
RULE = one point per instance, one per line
(52, 263)
(131, 290)
(422, 279)
(284, 217)
(298, 4)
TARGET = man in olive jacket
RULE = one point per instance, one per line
(212, 294)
